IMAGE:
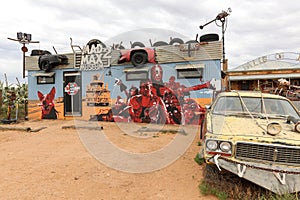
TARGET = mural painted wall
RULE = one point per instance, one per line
(146, 92)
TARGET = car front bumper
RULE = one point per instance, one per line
(277, 179)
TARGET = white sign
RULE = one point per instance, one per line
(95, 57)
(72, 88)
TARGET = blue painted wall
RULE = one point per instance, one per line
(212, 70)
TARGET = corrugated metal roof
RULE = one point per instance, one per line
(277, 61)
(172, 53)
(268, 65)
(268, 76)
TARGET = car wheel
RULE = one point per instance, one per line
(45, 65)
(137, 44)
(211, 172)
(209, 37)
(139, 58)
(176, 40)
(160, 43)
(202, 129)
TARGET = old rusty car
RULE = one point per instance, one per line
(138, 56)
(255, 136)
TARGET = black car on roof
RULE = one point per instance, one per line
(47, 61)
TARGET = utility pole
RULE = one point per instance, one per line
(23, 38)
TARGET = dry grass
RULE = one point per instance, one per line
(229, 186)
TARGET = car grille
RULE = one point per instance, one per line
(274, 154)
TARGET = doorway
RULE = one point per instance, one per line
(72, 94)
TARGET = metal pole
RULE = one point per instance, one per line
(23, 62)
(223, 42)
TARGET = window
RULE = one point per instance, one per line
(190, 70)
(130, 76)
(45, 80)
(136, 74)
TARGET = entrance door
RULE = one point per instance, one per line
(72, 94)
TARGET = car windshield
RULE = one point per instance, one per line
(232, 105)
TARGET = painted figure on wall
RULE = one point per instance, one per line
(174, 108)
(47, 104)
(147, 107)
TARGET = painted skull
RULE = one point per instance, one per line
(156, 73)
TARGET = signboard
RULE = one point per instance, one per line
(95, 56)
(72, 88)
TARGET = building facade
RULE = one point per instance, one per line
(93, 81)
(277, 73)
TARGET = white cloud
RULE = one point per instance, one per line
(255, 28)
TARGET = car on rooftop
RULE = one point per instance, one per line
(255, 136)
(47, 61)
(138, 56)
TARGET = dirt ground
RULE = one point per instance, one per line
(53, 161)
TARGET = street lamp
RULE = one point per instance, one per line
(23, 38)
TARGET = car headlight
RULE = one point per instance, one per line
(212, 145)
(297, 127)
(274, 128)
(225, 146)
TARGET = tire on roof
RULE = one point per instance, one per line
(191, 41)
(209, 37)
(137, 44)
(176, 40)
(160, 43)
(95, 42)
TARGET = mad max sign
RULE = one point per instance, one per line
(95, 56)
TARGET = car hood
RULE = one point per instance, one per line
(248, 127)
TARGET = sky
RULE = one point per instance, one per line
(254, 28)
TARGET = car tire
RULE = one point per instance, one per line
(121, 47)
(202, 129)
(45, 65)
(95, 42)
(160, 43)
(209, 37)
(137, 44)
(176, 40)
(191, 42)
(139, 58)
(211, 172)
